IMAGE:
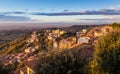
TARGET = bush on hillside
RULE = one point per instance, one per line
(3, 69)
(115, 25)
(106, 59)
(66, 62)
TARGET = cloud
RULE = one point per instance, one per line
(115, 7)
(52, 9)
(17, 12)
(66, 10)
(93, 19)
(89, 16)
(13, 18)
(98, 19)
(88, 12)
(41, 9)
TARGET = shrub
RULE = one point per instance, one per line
(115, 25)
(106, 58)
(66, 62)
(3, 69)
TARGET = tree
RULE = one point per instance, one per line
(115, 25)
(106, 59)
(66, 62)
(3, 69)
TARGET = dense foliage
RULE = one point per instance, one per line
(66, 62)
(66, 35)
(3, 69)
(115, 25)
(106, 58)
(43, 40)
(14, 46)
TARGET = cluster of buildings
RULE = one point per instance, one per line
(28, 54)
(17, 58)
(96, 32)
(30, 48)
(65, 43)
(27, 69)
(72, 41)
(62, 44)
(53, 34)
(83, 37)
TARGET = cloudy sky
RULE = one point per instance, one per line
(60, 11)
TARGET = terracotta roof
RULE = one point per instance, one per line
(24, 69)
(31, 64)
(87, 51)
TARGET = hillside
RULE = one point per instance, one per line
(47, 44)
(76, 28)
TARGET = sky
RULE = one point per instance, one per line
(60, 11)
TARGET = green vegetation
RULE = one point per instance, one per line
(17, 45)
(3, 45)
(45, 44)
(3, 69)
(66, 62)
(115, 25)
(106, 58)
(42, 40)
(66, 35)
(14, 46)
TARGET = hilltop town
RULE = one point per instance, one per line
(42, 43)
